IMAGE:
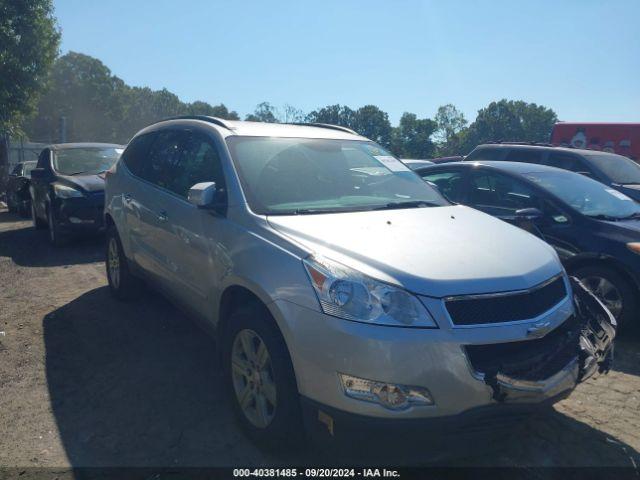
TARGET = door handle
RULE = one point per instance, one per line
(162, 216)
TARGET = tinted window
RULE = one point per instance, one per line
(28, 166)
(486, 154)
(43, 159)
(450, 184)
(135, 155)
(163, 156)
(198, 162)
(566, 162)
(499, 194)
(617, 168)
(524, 156)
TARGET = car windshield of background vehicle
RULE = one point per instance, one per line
(75, 161)
(587, 196)
(28, 166)
(285, 176)
(617, 168)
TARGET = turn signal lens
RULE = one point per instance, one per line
(634, 247)
(389, 395)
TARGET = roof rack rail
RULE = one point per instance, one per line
(204, 118)
(327, 125)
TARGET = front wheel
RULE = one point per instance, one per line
(56, 238)
(613, 290)
(260, 379)
(122, 283)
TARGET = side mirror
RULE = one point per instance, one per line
(529, 214)
(39, 173)
(202, 195)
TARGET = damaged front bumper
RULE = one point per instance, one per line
(528, 370)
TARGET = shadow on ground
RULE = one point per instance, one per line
(29, 247)
(138, 384)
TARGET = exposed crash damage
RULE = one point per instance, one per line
(555, 362)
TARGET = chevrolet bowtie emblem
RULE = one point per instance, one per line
(539, 329)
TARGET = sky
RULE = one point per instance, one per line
(579, 57)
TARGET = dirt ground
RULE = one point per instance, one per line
(88, 381)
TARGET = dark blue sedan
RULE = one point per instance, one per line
(594, 228)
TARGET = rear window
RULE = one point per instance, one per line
(617, 168)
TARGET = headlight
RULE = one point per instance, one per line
(349, 294)
(634, 247)
(62, 191)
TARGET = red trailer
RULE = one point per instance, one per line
(620, 138)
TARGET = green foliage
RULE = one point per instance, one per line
(265, 112)
(450, 130)
(29, 41)
(509, 120)
(99, 106)
(412, 137)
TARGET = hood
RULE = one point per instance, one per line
(437, 251)
(632, 191)
(87, 183)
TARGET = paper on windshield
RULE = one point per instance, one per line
(392, 163)
(617, 194)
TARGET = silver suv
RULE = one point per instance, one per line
(337, 282)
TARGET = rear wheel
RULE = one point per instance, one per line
(122, 283)
(612, 289)
(260, 379)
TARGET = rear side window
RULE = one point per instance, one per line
(524, 156)
(163, 156)
(450, 184)
(567, 162)
(486, 154)
(134, 157)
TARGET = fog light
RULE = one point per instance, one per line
(389, 395)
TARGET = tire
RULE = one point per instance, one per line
(56, 237)
(123, 285)
(38, 224)
(10, 206)
(281, 426)
(593, 275)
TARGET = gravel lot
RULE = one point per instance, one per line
(88, 381)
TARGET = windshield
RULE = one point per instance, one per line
(74, 161)
(28, 166)
(617, 168)
(298, 175)
(585, 195)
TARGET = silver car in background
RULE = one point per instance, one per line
(340, 285)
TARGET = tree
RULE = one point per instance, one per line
(29, 41)
(509, 120)
(412, 137)
(264, 112)
(333, 115)
(203, 108)
(450, 125)
(291, 114)
(373, 123)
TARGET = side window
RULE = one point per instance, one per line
(163, 155)
(567, 162)
(499, 194)
(450, 184)
(524, 156)
(198, 162)
(135, 155)
(485, 154)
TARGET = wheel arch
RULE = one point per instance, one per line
(587, 260)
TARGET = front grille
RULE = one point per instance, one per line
(481, 309)
(528, 359)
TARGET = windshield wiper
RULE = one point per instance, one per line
(608, 218)
(407, 204)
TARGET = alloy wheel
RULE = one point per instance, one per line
(253, 380)
(606, 292)
(113, 260)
